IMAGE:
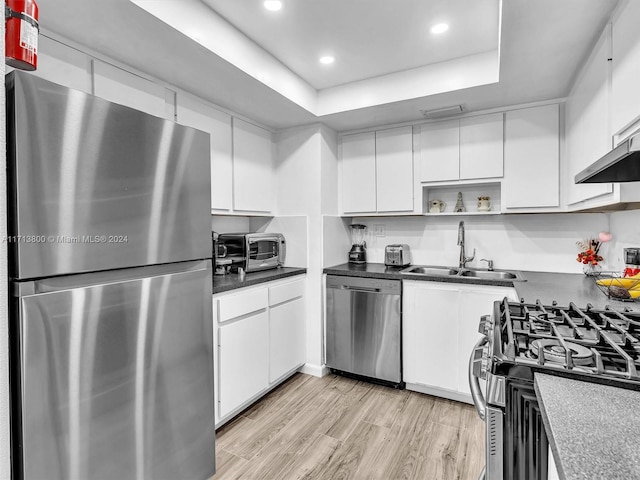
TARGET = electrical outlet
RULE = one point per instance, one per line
(631, 256)
(379, 230)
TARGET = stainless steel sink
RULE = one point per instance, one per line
(436, 271)
(490, 275)
(439, 271)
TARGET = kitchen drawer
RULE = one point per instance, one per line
(240, 304)
(286, 291)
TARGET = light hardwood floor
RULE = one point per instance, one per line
(338, 428)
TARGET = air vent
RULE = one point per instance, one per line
(442, 112)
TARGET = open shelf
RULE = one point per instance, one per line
(470, 193)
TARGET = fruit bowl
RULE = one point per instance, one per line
(618, 287)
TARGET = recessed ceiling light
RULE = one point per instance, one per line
(326, 60)
(273, 5)
(439, 28)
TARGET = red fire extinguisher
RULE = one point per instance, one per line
(21, 35)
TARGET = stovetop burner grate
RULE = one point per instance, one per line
(599, 342)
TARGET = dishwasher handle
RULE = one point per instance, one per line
(364, 285)
(361, 289)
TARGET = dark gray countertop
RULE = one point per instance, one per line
(593, 429)
(232, 281)
(547, 287)
(565, 288)
(379, 270)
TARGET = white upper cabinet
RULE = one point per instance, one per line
(394, 170)
(466, 149)
(241, 158)
(482, 146)
(440, 151)
(532, 158)
(377, 171)
(587, 123)
(63, 65)
(359, 173)
(625, 105)
(125, 88)
(253, 183)
(193, 112)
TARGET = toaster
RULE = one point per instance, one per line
(397, 255)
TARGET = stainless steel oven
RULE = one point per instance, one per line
(516, 444)
(522, 339)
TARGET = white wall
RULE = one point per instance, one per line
(329, 165)
(542, 242)
(298, 174)
(337, 240)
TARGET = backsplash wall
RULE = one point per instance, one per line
(535, 242)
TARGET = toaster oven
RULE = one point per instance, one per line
(252, 251)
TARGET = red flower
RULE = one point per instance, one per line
(589, 253)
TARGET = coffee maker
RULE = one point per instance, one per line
(358, 252)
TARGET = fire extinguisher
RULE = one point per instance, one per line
(21, 34)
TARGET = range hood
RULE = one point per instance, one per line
(622, 164)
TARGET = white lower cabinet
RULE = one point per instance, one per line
(259, 341)
(286, 329)
(427, 342)
(552, 473)
(243, 370)
(439, 329)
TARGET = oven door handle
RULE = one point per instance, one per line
(474, 382)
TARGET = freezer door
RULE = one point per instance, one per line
(117, 378)
(95, 185)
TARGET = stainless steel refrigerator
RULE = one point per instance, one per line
(110, 275)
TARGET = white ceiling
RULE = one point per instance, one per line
(368, 38)
(543, 42)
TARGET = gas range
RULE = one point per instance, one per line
(601, 345)
(521, 339)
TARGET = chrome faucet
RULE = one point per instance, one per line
(463, 258)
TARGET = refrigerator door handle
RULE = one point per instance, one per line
(69, 282)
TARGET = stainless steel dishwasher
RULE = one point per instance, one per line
(364, 328)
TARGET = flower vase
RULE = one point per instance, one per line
(592, 270)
